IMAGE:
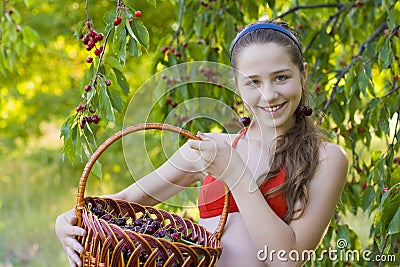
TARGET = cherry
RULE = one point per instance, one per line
(245, 121)
(185, 44)
(384, 190)
(361, 130)
(85, 40)
(360, 3)
(10, 11)
(364, 185)
(164, 49)
(396, 78)
(98, 51)
(80, 108)
(130, 22)
(89, 59)
(108, 82)
(138, 13)
(95, 119)
(386, 31)
(308, 111)
(117, 21)
(107, 217)
(396, 160)
(178, 54)
(88, 87)
(174, 105)
(175, 236)
(317, 88)
(99, 37)
(83, 122)
(90, 46)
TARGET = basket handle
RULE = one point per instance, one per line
(80, 204)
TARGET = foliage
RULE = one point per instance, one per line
(352, 48)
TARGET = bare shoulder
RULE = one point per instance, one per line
(333, 154)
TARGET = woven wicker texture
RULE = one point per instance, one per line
(119, 233)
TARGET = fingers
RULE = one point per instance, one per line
(73, 258)
(67, 231)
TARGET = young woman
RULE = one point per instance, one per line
(284, 179)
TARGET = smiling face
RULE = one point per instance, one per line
(270, 84)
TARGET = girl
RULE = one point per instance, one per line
(285, 181)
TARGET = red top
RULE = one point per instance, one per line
(211, 195)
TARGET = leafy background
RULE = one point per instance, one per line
(352, 48)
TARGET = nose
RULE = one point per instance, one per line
(268, 92)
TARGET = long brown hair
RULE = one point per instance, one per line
(298, 149)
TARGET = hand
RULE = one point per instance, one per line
(218, 158)
(67, 231)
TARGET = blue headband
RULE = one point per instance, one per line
(264, 26)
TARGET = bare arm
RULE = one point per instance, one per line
(170, 178)
(159, 185)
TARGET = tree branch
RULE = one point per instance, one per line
(299, 7)
(356, 57)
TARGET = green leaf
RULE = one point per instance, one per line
(105, 102)
(121, 80)
(337, 112)
(119, 43)
(133, 49)
(344, 233)
(109, 17)
(116, 99)
(141, 33)
(97, 169)
(394, 225)
(368, 198)
(31, 37)
(395, 176)
(152, 2)
(113, 62)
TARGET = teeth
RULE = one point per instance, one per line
(273, 109)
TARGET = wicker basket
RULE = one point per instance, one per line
(119, 242)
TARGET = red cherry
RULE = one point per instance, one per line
(88, 87)
(178, 54)
(99, 37)
(138, 13)
(364, 185)
(396, 78)
(89, 59)
(174, 105)
(359, 170)
(361, 130)
(386, 31)
(360, 3)
(396, 160)
(317, 88)
(245, 121)
(79, 108)
(130, 21)
(168, 101)
(95, 119)
(384, 190)
(85, 40)
(117, 21)
(108, 82)
(164, 49)
(185, 44)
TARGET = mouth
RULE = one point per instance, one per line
(274, 109)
